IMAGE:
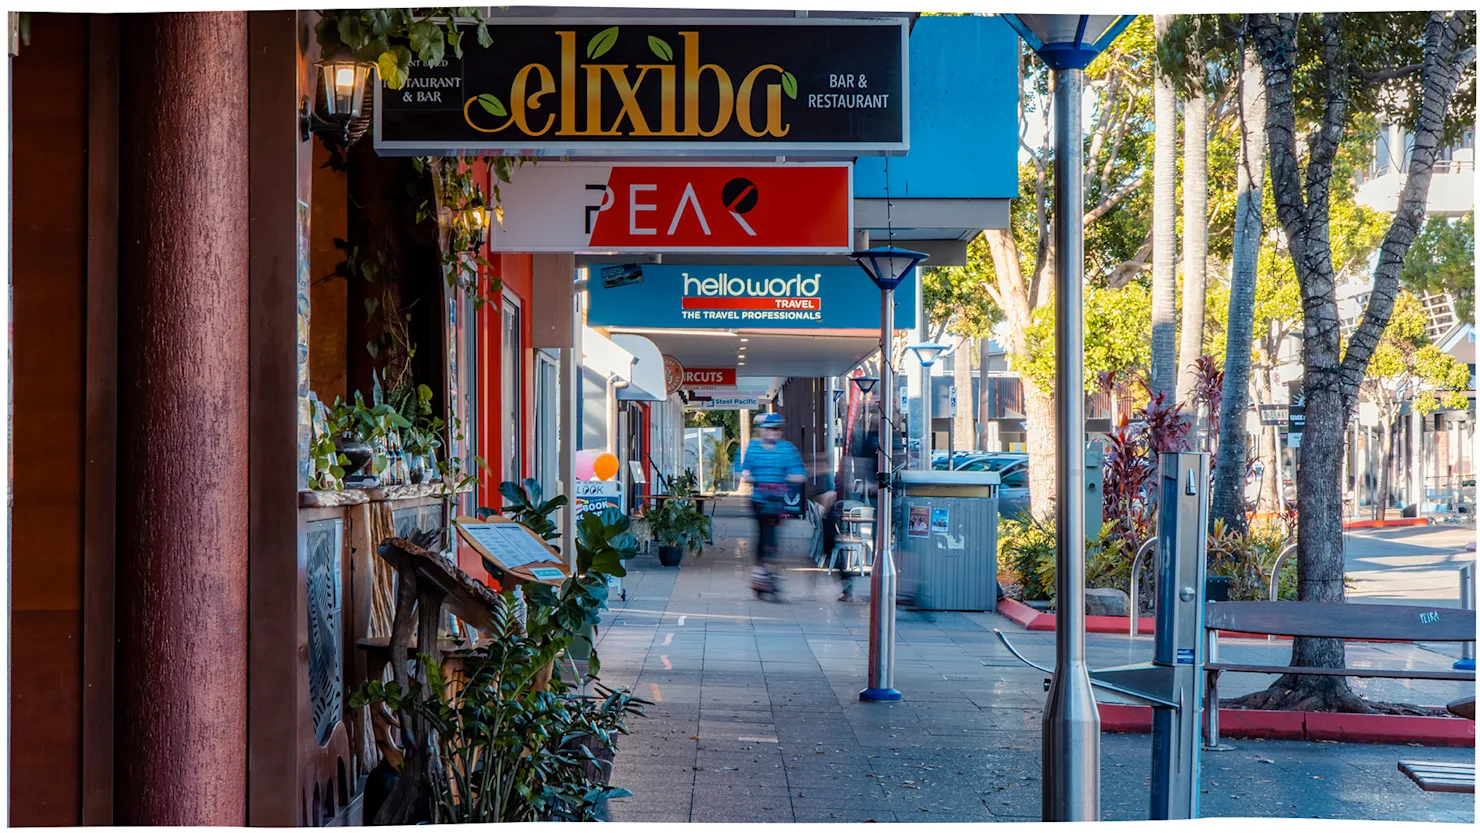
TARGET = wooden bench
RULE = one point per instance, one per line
(1431, 776)
(1370, 622)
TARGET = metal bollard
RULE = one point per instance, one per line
(1467, 602)
(1274, 576)
(1147, 546)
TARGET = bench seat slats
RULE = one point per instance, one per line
(1402, 623)
(1435, 776)
(1398, 674)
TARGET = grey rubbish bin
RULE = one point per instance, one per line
(948, 539)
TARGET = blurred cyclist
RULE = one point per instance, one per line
(770, 463)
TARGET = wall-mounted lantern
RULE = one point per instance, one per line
(470, 222)
(342, 79)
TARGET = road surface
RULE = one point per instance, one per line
(1408, 565)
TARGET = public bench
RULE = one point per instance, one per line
(1369, 622)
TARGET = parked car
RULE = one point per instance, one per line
(1012, 467)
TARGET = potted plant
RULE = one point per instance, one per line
(678, 526)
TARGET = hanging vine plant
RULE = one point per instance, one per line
(464, 216)
(392, 38)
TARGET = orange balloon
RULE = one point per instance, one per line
(607, 466)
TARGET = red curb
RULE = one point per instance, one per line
(1272, 725)
(1123, 719)
(1381, 524)
(1035, 620)
(1389, 728)
(1282, 725)
(1018, 612)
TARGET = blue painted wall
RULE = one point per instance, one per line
(963, 115)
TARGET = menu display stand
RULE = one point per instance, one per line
(511, 552)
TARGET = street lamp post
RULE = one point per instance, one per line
(926, 354)
(1071, 719)
(887, 266)
(865, 385)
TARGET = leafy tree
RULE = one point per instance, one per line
(956, 298)
(1405, 366)
(1319, 69)
(1443, 260)
(1115, 325)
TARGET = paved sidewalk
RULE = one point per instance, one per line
(756, 714)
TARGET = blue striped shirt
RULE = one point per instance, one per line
(774, 464)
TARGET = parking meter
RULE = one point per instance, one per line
(1172, 683)
(1181, 582)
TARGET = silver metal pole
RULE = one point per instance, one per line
(1071, 719)
(884, 580)
(927, 419)
(831, 416)
(1467, 602)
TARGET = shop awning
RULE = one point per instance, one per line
(604, 358)
(647, 381)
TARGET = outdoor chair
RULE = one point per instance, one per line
(854, 548)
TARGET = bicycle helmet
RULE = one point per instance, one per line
(772, 421)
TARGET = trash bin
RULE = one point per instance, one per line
(948, 539)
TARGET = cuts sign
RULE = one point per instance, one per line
(621, 208)
(696, 378)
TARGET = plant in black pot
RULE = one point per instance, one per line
(678, 526)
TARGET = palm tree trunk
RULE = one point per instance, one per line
(1164, 232)
(1194, 243)
(1248, 231)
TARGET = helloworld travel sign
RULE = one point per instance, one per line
(785, 86)
(740, 297)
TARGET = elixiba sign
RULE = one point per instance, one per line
(783, 86)
(592, 207)
(741, 297)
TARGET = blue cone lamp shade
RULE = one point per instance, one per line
(927, 353)
(887, 265)
(1068, 41)
(865, 383)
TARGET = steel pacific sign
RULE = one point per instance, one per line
(603, 87)
(740, 297)
(618, 207)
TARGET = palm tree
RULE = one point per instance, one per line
(1164, 228)
(1248, 228)
(1194, 225)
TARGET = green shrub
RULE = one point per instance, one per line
(1248, 559)
(1027, 553)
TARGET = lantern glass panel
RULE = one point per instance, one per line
(343, 80)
